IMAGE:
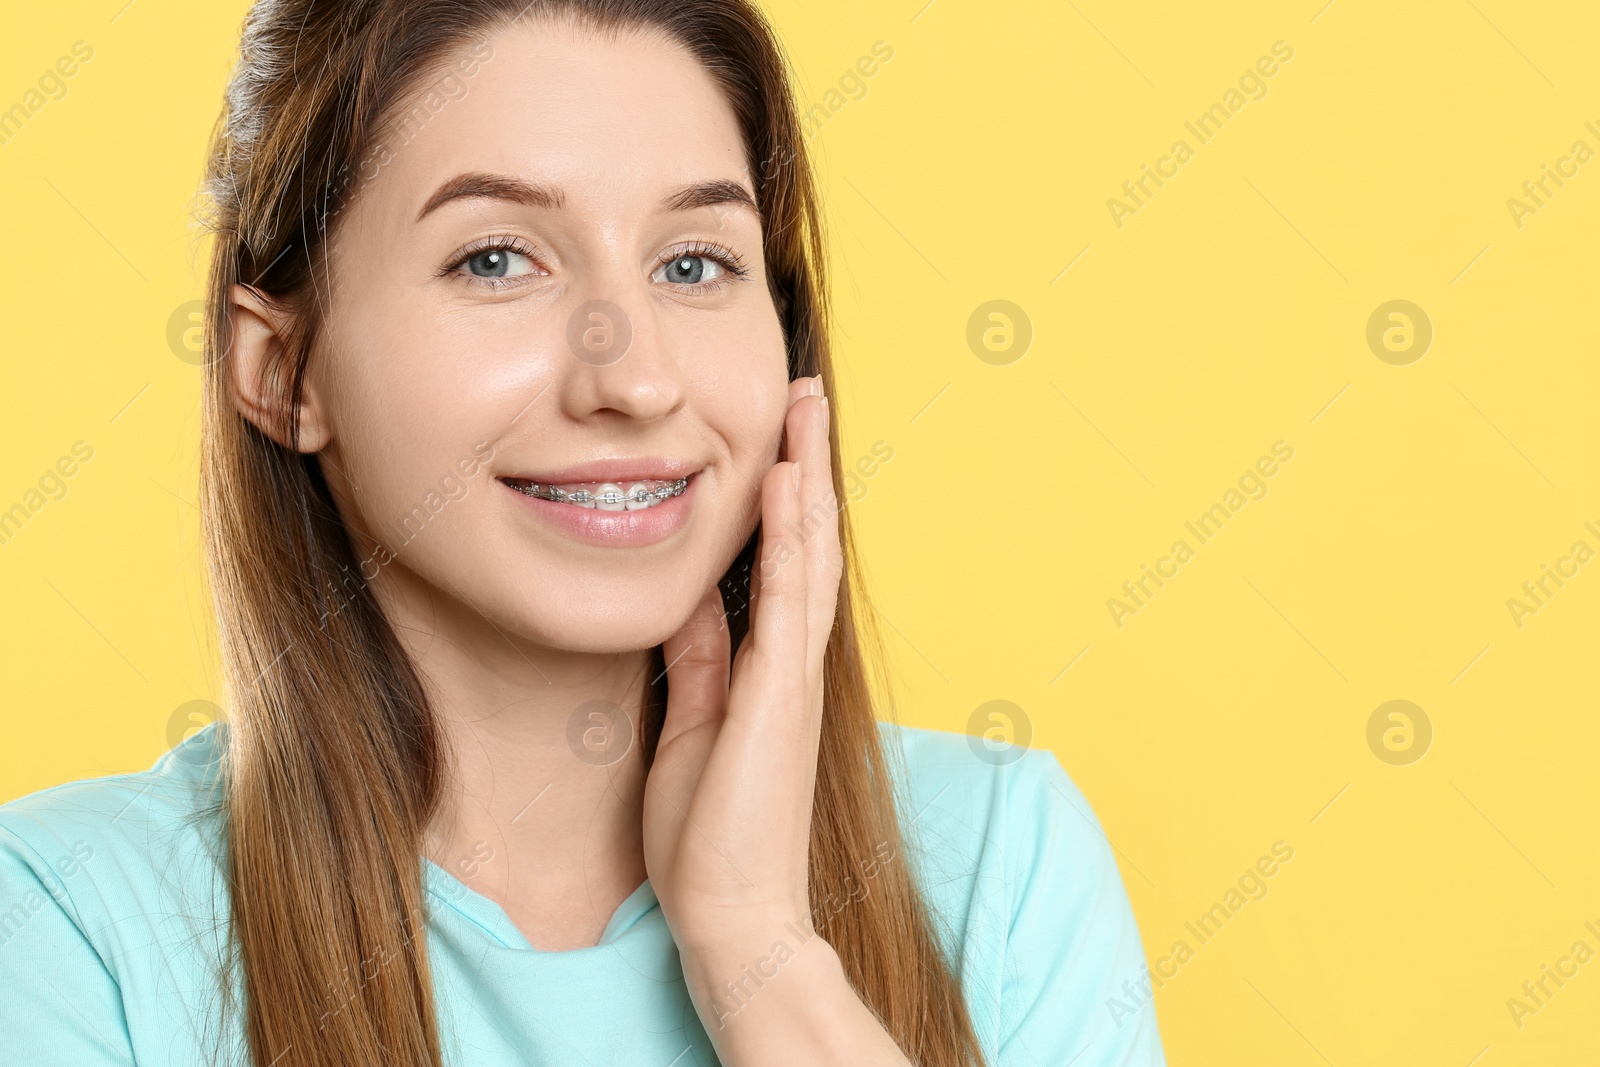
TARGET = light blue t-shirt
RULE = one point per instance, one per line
(113, 908)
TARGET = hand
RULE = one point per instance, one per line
(727, 807)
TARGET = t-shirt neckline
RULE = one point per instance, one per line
(492, 918)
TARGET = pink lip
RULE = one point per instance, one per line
(638, 469)
(617, 529)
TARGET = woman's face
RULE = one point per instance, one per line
(540, 272)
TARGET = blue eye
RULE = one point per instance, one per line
(703, 268)
(688, 270)
(494, 261)
(497, 262)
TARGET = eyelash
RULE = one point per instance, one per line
(725, 257)
(497, 243)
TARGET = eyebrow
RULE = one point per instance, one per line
(478, 185)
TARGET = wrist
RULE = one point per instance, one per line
(778, 992)
(757, 960)
(729, 936)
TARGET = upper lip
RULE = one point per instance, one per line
(622, 469)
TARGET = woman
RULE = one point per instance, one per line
(549, 734)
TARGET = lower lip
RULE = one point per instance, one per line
(617, 529)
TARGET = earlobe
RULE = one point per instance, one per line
(258, 362)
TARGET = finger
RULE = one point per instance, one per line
(809, 433)
(778, 628)
(798, 388)
(697, 669)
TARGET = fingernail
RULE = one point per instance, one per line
(796, 471)
(824, 414)
(816, 384)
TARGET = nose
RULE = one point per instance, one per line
(620, 358)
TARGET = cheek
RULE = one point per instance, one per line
(404, 476)
(765, 429)
(427, 370)
(415, 368)
(744, 385)
(414, 408)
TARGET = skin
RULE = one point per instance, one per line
(514, 625)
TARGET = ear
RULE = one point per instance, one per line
(260, 338)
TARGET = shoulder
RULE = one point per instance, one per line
(1024, 886)
(981, 797)
(102, 847)
(987, 820)
(110, 900)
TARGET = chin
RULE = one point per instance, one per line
(610, 616)
(606, 633)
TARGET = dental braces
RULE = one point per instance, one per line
(583, 496)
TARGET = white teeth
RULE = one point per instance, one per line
(607, 496)
(634, 503)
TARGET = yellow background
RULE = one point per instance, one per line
(1228, 313)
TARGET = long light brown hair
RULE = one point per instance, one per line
(334, 761)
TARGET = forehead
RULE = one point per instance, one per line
(609, 117)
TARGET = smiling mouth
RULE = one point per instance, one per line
(603, 496)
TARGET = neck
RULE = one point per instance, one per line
(544, 783)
